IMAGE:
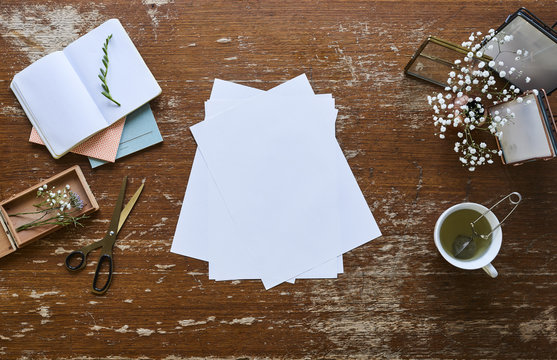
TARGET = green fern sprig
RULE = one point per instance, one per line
(102, 75)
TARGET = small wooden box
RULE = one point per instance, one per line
(10, 239)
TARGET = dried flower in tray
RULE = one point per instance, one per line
(55, 208)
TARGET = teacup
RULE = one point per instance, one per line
(482, 260)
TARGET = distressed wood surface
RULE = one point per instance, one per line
(397, 298)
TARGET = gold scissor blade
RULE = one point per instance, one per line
(129, 206)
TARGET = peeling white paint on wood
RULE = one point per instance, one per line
(144, 332)
(35, 295)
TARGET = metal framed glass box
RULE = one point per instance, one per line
(435, 59)
(531, 134)
(527, 44)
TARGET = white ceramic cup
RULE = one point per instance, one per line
(484, 261)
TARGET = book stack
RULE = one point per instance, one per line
(270, 195)
(61, 94)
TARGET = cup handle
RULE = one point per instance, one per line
(490, 270)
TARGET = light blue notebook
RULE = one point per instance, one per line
(140, 131)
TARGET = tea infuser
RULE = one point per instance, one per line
(464, 247)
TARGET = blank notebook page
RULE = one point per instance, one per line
(61, 110)
(129, 79)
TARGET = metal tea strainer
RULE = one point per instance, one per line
(464, 247)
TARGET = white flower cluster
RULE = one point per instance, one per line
(60, 200)
(471, 89)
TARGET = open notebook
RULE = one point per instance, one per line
(61, 92)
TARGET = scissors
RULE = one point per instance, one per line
(119, 216)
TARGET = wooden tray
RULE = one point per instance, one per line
(10, 239)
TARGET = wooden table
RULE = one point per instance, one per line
(397, 297)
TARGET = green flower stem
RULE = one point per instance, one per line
(52, 221)
(111, 99)
(104, 73)
(31, 212)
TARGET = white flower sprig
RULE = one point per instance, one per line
(56, 208)
(471, 89)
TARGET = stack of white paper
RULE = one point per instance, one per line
(270, 194)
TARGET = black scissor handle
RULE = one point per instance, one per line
(73, 255)
(100, 291)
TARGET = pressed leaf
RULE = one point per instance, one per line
(102, 75)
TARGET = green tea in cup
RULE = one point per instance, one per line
(469, 236)
(457, 236)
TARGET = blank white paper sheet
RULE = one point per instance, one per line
(270, 194)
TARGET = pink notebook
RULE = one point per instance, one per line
(102, 145)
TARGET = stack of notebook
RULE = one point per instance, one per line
(270, 195)
(61, 94)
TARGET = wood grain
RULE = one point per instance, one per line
(397, 298)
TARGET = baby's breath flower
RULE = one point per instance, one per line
(54, 209)
(471, 89)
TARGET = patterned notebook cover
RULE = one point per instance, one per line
(103, 145)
